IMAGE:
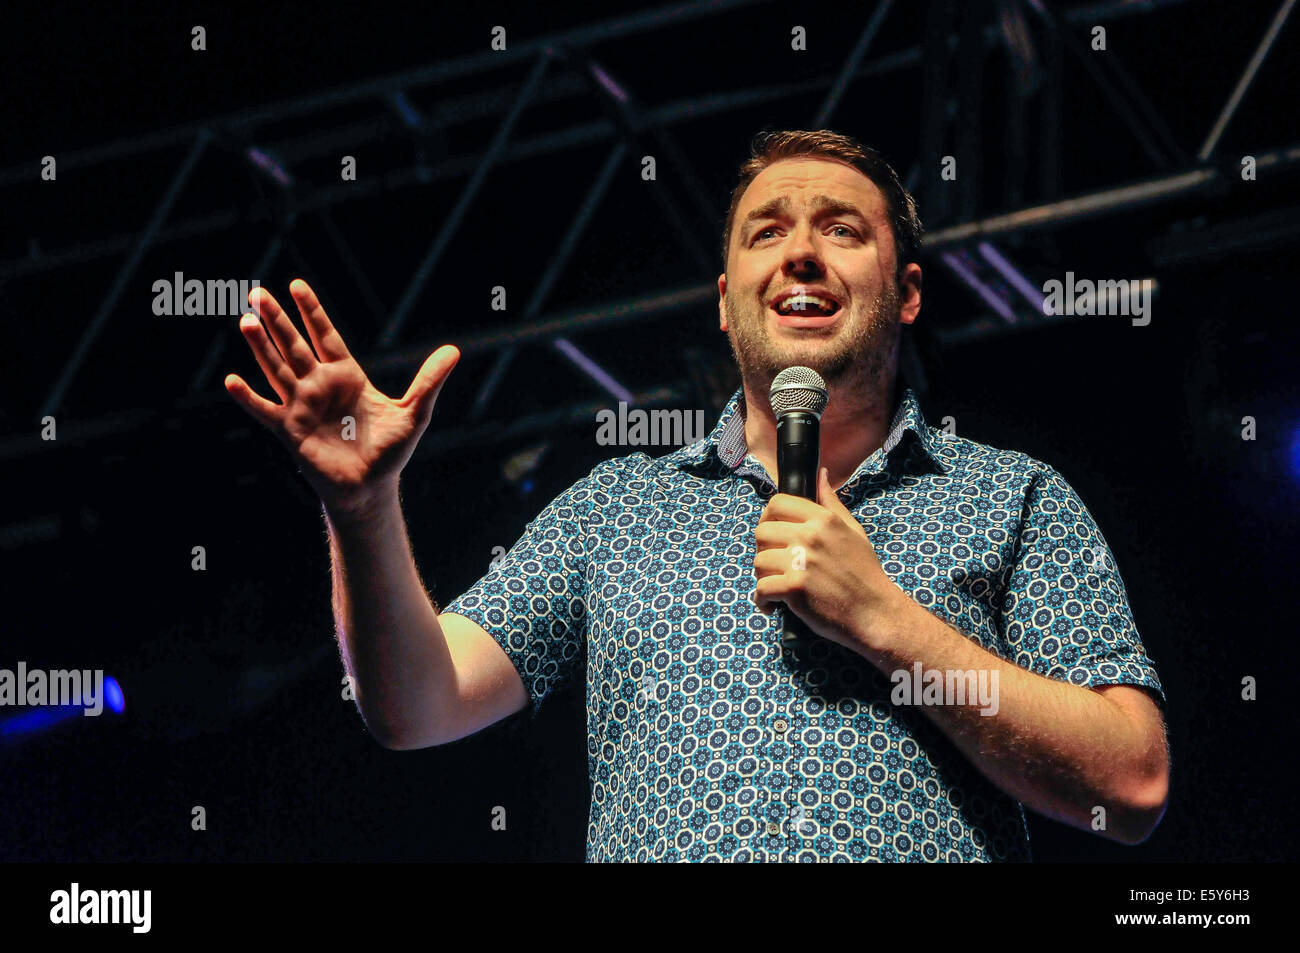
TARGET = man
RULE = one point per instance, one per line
(925, 555)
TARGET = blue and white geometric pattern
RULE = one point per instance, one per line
(709, 742)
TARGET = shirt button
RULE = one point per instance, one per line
(780, 725)
(774, 828)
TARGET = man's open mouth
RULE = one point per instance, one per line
(806, 305)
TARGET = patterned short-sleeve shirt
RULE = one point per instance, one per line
(709, 741)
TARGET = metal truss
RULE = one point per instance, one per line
(955, 44)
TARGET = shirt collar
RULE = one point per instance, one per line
(726, 444)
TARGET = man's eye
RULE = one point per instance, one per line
(845, 227)
(762, 233)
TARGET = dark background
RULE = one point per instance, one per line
(232, 681)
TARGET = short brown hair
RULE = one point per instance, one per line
(769, 147)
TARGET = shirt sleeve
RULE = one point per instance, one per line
(532, 601)
(1066, 613)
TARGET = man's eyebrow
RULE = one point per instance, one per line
(822, 206)
(769, 209)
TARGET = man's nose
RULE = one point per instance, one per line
(801, 254)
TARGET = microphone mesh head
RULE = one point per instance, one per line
(798, 389)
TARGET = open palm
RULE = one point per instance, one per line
(349, 438)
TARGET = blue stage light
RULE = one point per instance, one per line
(113, 696)
(38, 719)
(1293, 454)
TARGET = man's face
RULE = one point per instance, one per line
(821, 226)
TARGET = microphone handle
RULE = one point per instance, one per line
(798, 449)
(795, 633)
(798, 452)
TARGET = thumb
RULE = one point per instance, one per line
(424, 389)
(828, 498)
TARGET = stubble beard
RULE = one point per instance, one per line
(856, 356)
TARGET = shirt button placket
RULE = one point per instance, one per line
(780, 725)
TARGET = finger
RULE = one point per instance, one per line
(278, 375)
(790, 509)
(424, 389)
(325, 338)
(768, 591)
(772, 533)
(257, 406)
(773, 562)
(296, 353)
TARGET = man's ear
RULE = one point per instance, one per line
(722, 301)
(909, 293)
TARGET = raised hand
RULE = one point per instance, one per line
(349, 466)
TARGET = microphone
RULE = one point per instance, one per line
(798, 397)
